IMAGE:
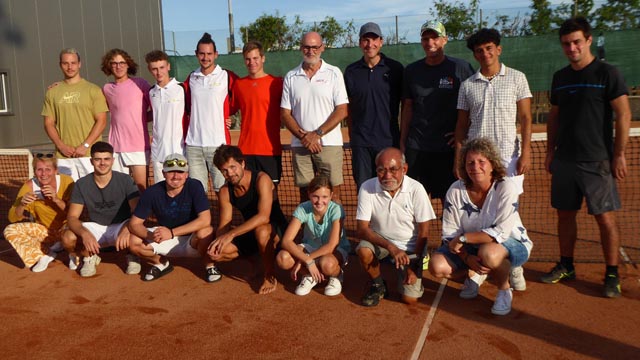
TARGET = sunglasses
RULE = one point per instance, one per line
(41, 155)
(175, 162)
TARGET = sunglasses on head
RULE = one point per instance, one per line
(41, 155)
(175, 162)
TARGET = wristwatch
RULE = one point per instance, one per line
(86, 145)
(319, 132)
(462, 239)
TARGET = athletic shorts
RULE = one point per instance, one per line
(345, 254)
(178, 246)
(122, 161)
(416, 290)
(328, 162)
(572, 181)
(75, 167)
(106, 235)
(272, 165)
(434, 170)
(247, 243)
(518, 253)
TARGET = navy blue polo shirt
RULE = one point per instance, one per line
(374, 102)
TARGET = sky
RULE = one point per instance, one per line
(186, 20)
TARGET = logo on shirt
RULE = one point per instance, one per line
(446, 83)
(70, 97)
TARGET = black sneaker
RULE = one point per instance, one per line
(612, 286)
(375, 293)
(559, 272)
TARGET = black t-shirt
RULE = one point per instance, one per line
(585, 119)
(434, 94)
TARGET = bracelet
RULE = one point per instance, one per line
(311, 262)
(172, 236)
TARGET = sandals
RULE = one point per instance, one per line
(154, 273)
(213, 275)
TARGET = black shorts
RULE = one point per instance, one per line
(272, 165)
(247, 244)
(573, 181)
(434, 170)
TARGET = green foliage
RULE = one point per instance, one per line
(458, 18)
(270, 30)
(330, 30)
(540, 22)
(618, 15)
(565, 11)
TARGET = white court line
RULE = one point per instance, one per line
(427, 324)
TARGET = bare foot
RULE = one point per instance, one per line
(269, 285)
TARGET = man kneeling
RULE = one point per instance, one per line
(252, 193)
(182, 211)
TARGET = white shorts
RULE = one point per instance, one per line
(512, 172)
(105, 234)
(178, 246)
(122, 160)
(345, 255)
(75, 167)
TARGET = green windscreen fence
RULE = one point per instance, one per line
(537, 56)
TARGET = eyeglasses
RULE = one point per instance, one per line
(308, 47)
(118, 63)
(41, 155)
(383, 171)
(175, 162)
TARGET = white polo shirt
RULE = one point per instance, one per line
(208, 95)
(311, 101)
(168, 108)
(395, 219)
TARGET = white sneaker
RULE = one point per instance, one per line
(516, 279)
(471, 286)
(44, 261)
(89, 266)
(334, 287)
(306, 284)
(502, 306)
(133, 265)
(73, 262)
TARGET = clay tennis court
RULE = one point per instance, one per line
(59, 315)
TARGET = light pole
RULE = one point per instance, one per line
(232, 42)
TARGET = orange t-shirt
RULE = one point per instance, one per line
(259, 103)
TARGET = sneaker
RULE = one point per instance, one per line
(516, 279)
(375, 294)
(502, 306)
(73, 262)
(612, 286)
(306, 284)
(559, 272)
(334, 287)
(89, 265)
(133, 265)
(471, 285)
(44, 261)
(213, 275)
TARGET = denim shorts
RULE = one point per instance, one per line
(518, 253)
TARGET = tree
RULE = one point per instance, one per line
(618, 15)
(270, 30)
(566, 11)
(294, 35)
(457, 18)
(540, 22)
(508, 26)
(330, 30)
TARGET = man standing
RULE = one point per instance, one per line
(392, 221)
(109, 197)
(75, 114)
(252, 193)
(582, 156)
(128, 100)
(208, 102)
(374, 85)
(489, 104)
(168, 106)
(429, 113)
(491, 101)
(314, 102)
(184, 229)
(257, 96)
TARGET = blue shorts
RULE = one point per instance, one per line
(518, 253)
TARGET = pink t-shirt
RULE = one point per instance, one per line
(128, 104)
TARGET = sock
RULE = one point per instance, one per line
(567, 262)
(612, 270)
(378, 281)
(161, 266)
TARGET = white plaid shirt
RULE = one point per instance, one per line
(492, 108)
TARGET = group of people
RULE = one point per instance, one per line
(456, 141)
